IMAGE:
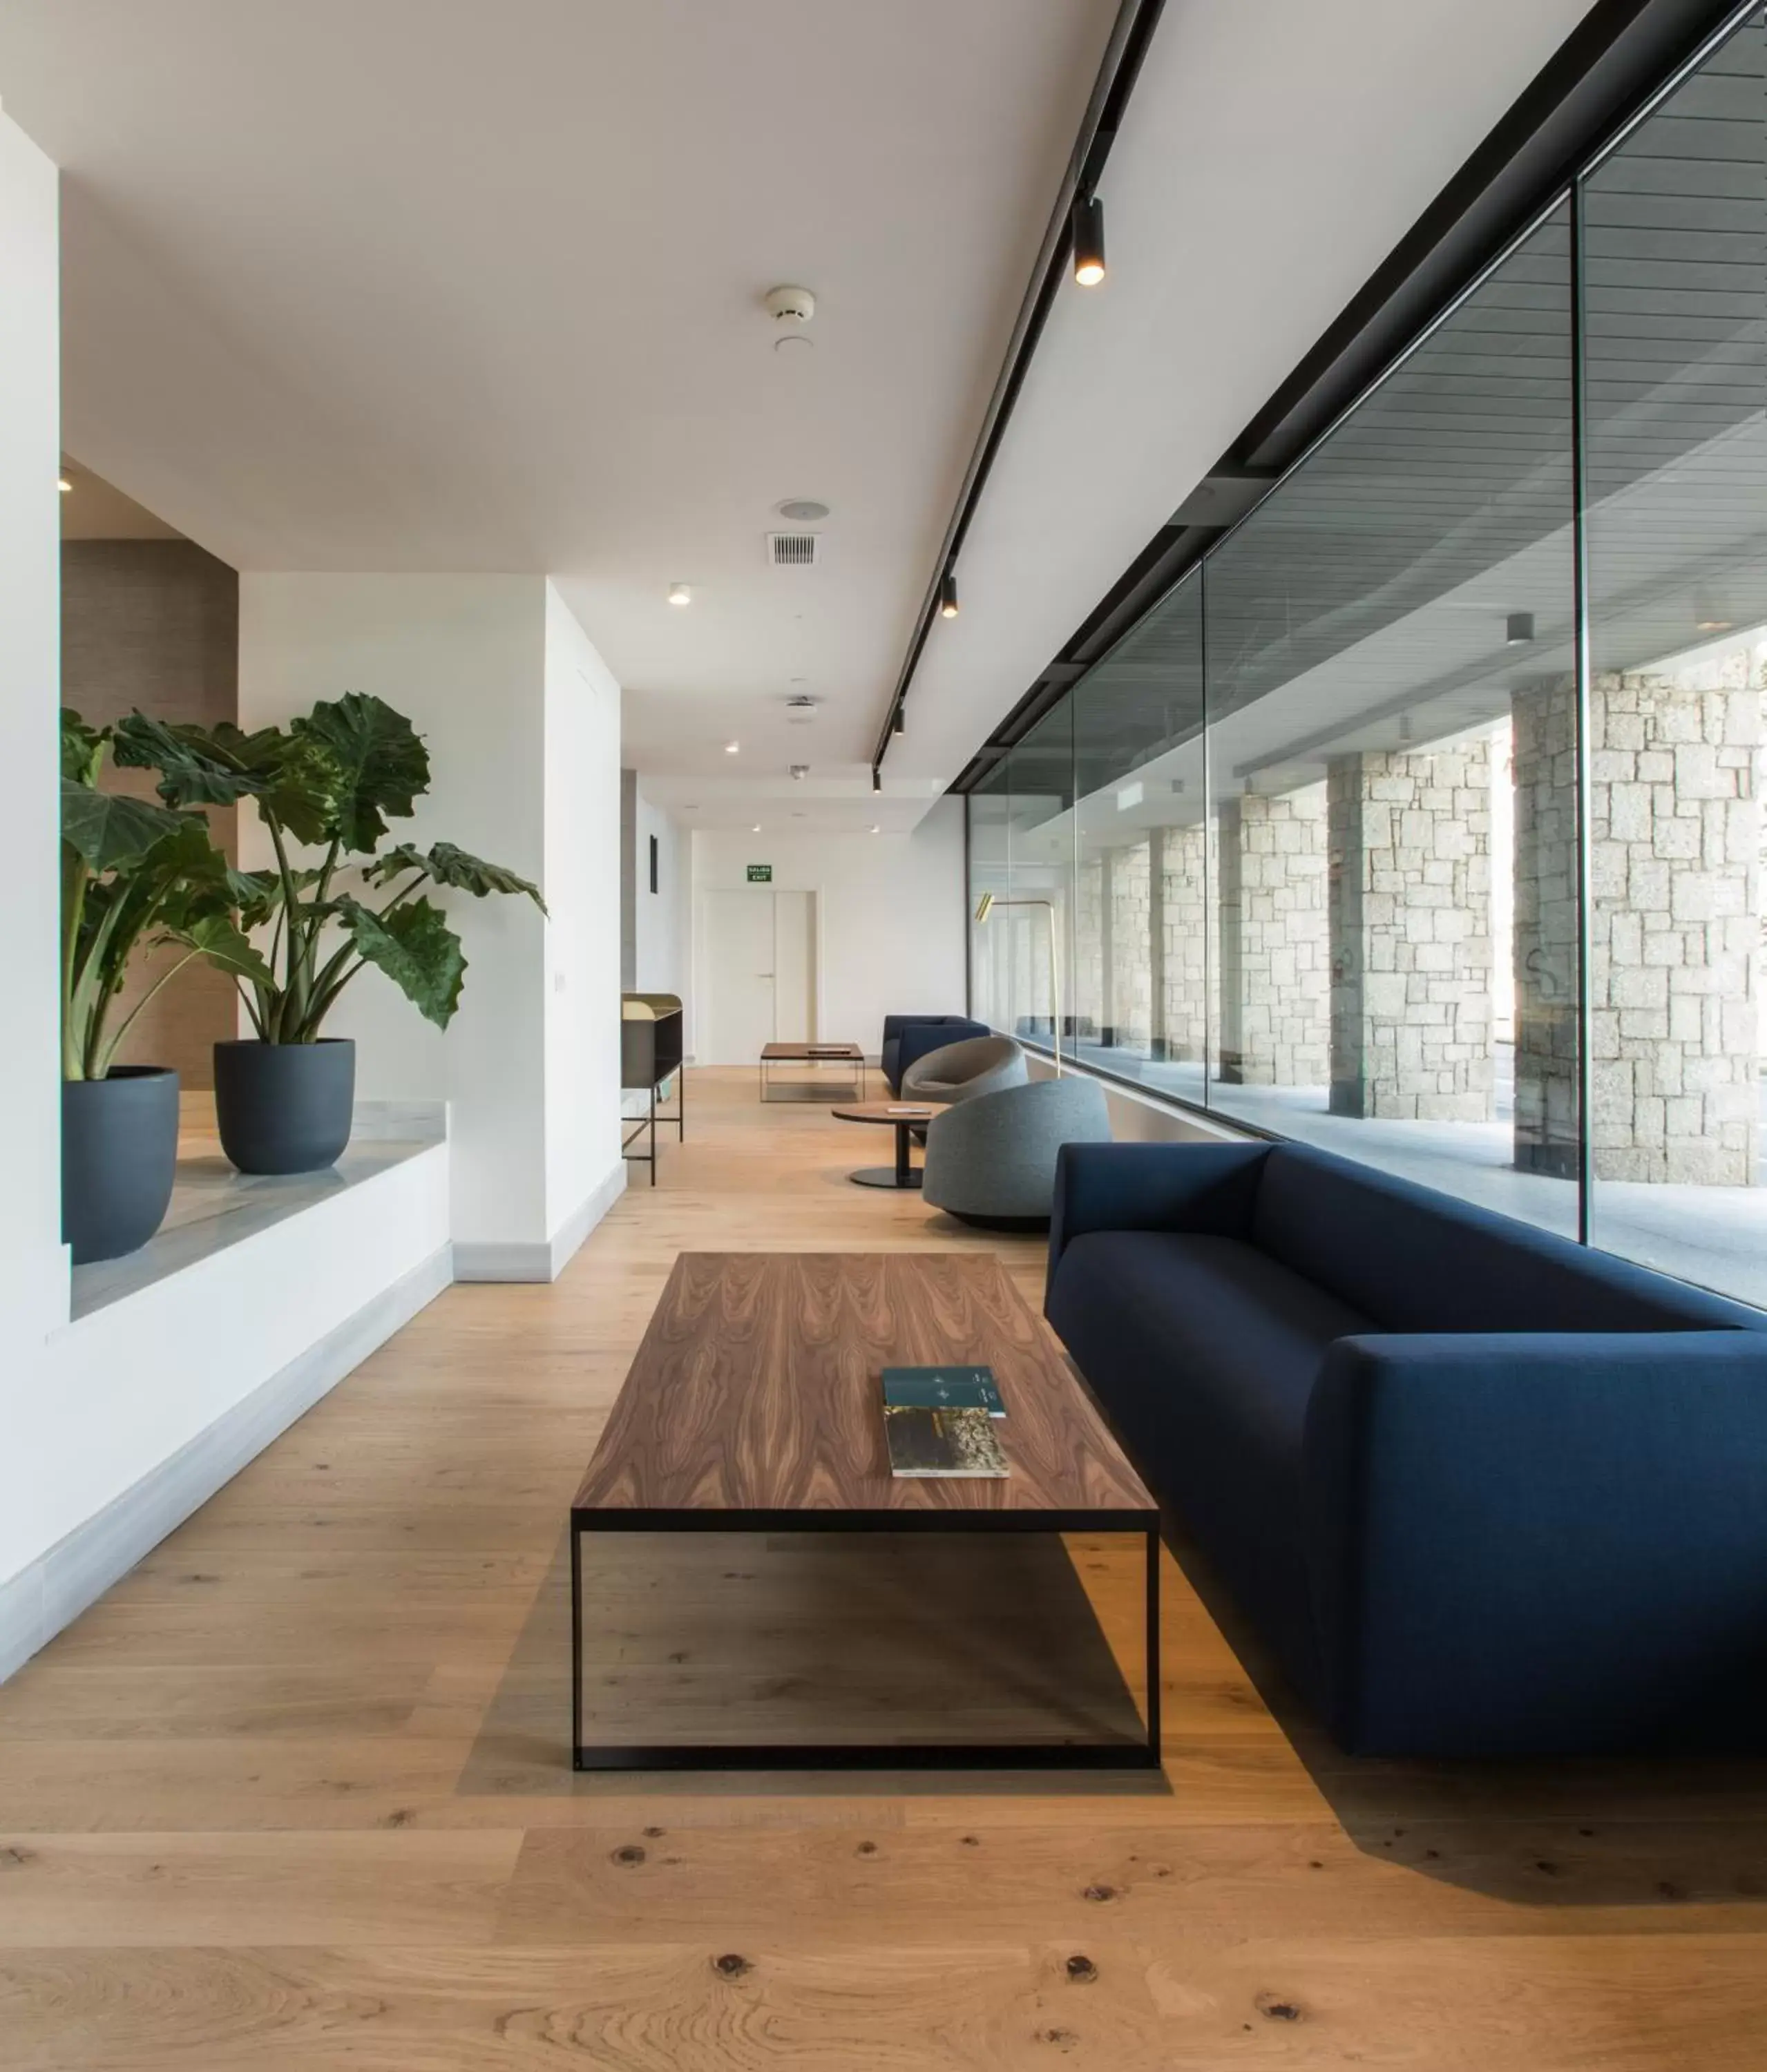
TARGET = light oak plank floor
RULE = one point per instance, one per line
(294, 1795)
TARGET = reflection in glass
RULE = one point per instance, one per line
(1140, 973)
(1038, 925)
(1396, 930)
(1674, 296)
(1412, 869)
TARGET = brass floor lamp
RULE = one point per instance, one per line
(984, 906)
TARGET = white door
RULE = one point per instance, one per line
(794, 967)
(760, 967)
(738, 969)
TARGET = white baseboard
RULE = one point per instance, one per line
(540, 1261)
(38, 1602)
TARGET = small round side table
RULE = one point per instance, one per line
(905, 1115)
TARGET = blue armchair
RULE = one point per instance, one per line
(1486, 1492)
(908, 1037)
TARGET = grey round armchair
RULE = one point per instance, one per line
(992, 1160)
(959, 1071)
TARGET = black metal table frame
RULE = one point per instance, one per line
(649, 1122)
(869, 1755)
(806, 1089)
(905, 1173)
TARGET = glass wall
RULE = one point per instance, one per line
(1422, 820)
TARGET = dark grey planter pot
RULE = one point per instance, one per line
(285, 1108)
(119, 1156)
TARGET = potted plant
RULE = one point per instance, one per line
(324, 785)
(131, 873)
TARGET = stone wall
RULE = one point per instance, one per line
(1409, 906)
(1129, 1003)
(1184, 996)
(1674, 865)
(1675, 830)
(1544, 951)
(1274, 979)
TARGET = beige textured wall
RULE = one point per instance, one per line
(155, 624)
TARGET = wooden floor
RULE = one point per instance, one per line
(295, 1794)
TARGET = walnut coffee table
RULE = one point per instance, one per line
(754, 1407)
(773, 1055)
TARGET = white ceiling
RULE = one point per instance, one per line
(434, 284)
(443, 284)
(1272, 154)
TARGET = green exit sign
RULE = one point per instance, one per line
(760, 873)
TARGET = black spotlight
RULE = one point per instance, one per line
(1518, 630)
(877, 779)
(948, 595)
(1088, 240)
(898, 721)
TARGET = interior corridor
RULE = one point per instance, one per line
(296, 1793)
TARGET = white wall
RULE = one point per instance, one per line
(155, 1401)
(582, 881)
(662, 919)
(522, 721)
(33, 1264)
(891, 919)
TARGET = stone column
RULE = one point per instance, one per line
(1130, 1006)
(1086, 988)
(1275, 996)
(1183, 904)
(1545, 948)
(1674, 831)
(1410, 921)
(1156, 943)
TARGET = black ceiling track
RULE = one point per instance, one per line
(1130, 36)
(1612, 63)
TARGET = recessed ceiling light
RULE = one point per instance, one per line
(794, 346)
(801, 510)
(876, 830)
(1714, 625)
(63, 485)
(732, 747)
(680, 594)
(756, 828)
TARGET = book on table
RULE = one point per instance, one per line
(942, 1388)
(926, 1441)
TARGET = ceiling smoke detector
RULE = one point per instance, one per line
(799, 772)
(790, 307)
(802, 510)
(799, 708)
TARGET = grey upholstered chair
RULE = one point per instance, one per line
(992, 1160)
(959, 1071)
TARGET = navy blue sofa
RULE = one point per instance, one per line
(909, 1037)
(1485, 1492)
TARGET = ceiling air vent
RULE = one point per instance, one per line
(794, 550)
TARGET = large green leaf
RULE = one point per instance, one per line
(416, 948)
(351, 761)
(82, 748)
(200, 766)
(456, 868)
(108, 831)
(215, 937)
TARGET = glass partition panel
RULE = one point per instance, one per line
(1674, 304)
(989, 872)
(1036, 920)
(1391, 652)
(1140, 819)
